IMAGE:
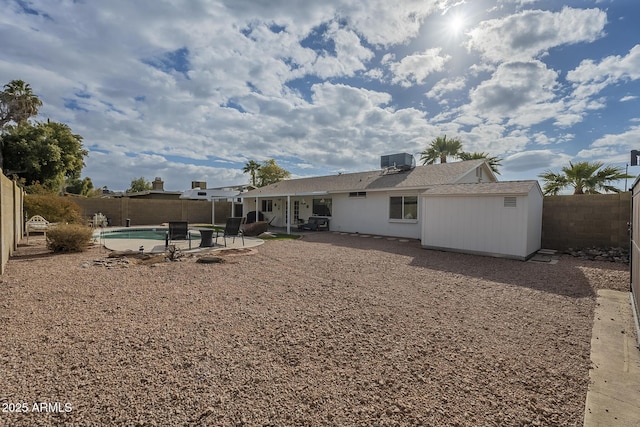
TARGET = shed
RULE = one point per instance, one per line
(501, 219)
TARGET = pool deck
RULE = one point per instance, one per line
(158, 246)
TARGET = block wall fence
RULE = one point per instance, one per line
(585, 220)
(11, 218)
(151, 212)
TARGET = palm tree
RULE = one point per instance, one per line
(17, 102)
(252, 167)
(440, 148)
(492, 161)
(584, 177)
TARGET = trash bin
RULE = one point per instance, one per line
(128, 222)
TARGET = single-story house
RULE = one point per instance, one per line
(496, 218)
(383, 202)
(393, 202)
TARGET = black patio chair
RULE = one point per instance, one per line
(179, 230)
(232, 229)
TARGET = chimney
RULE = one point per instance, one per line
(157, 184)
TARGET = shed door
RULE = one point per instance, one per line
(635, 244)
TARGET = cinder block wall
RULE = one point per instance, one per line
(11, 220)
(585, 220)
(152, 212)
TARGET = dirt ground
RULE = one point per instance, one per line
(329, 330)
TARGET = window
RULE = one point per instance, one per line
(322, 207)
(358, 194)
(267, 206)
(202, 193)
(404, 207)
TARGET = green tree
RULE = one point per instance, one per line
(252, 167)
(270, 173)
(17, 105)
(441, 148)
(83, 187)
(492, 161)
(139, 184)
(45, 152)
(584, 177)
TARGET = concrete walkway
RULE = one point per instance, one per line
(613, 398)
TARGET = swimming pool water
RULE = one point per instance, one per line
(142, 233)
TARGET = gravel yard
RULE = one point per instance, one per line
(329, 330)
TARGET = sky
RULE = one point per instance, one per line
(191, 90)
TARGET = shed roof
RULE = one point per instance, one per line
(515, 188)
(419, 177)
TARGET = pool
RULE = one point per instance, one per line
(158, 233)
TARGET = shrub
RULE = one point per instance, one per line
(53, 208)
(69, 238)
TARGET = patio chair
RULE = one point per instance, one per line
(232, 229)
(179, 230)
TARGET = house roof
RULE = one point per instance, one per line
(514, 188)
(419, 177)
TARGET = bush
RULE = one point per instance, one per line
(69, 238)
(53, 208)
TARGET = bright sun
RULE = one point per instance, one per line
(456, 24)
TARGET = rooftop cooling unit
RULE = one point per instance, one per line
(401, 161)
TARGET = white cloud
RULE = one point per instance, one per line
(590, 77)
(535, 160)
(445, 86)
(530, 33)
(414, 69)
(521, 93)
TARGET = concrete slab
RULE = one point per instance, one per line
(613, 398)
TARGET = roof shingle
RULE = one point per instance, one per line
(416, 178)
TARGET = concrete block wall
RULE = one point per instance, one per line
(153, 212)
(585, 220)
(11, 220)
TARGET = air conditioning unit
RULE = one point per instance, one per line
(401, 161)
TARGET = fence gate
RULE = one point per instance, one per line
(635, 244)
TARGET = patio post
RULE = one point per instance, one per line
(213, 211)
(288, 214)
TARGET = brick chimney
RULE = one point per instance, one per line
(157, 184)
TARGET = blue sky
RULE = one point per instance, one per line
(190, 91)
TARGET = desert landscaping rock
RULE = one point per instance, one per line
(324, 331)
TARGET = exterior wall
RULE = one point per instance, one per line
(11, 219)
(472, 178)
(366, 215)
(478, 224)
(585, 220)
(534, 224)
(370, 215)
(149, 211)
(635, 249)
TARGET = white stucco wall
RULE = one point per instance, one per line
(480, 224)
(370, 215)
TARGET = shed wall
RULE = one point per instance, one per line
(477, 224)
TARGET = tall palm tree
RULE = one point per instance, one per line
(17, 102)
(440, 148)
(252, 167)
(584, 177)
(492, 161)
